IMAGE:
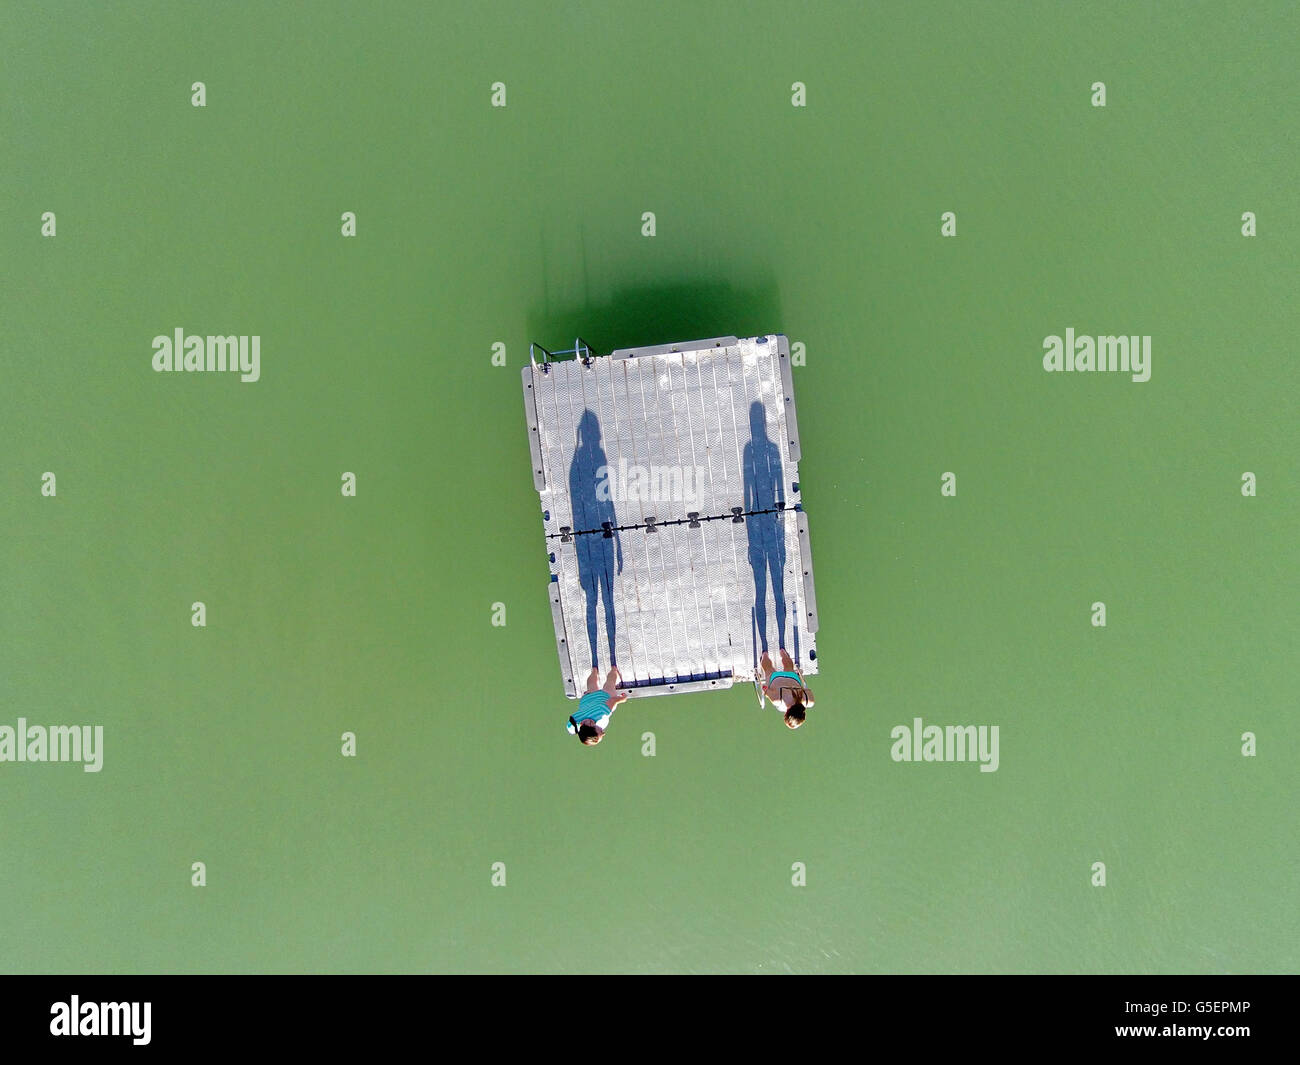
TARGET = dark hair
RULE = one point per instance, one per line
(797, 712)
(588, 732)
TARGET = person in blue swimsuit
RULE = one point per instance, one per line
(595, 708)
(786, 689)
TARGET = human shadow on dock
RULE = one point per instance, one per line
(597, 552)
(765, 491)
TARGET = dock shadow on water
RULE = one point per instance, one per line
(765, 491)
(598, 552)
(660, 314)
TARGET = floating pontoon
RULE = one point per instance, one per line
(669, 487)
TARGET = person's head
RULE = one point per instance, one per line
(796, 714)
(589, 735)
(588, 430)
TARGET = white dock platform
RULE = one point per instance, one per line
(672, 512)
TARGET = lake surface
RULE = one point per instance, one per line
(372, 614)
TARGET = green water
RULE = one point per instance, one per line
(372, 614)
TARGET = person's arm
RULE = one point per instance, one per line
(808, 697)
(747, 460)
(575, 495)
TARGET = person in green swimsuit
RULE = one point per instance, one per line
(595, 708)
(786, 689)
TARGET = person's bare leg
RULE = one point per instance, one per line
(760, 601)
(765, 664)
(787, 663)
(593, 681)
(607, 594)
(778, 594)
(611, 681)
